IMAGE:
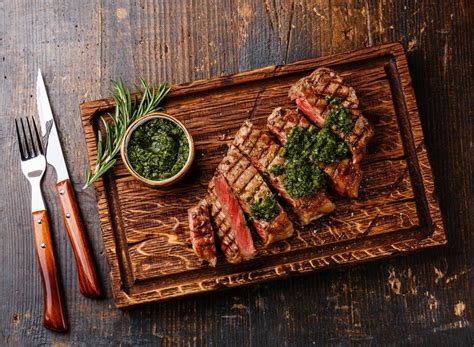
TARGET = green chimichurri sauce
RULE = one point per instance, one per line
(338, 116)
(327, 147)
(158, 149)
(265, 209)
(302, 173)
(307, 147)
(315, 145)
(276, 170)
(303, 177)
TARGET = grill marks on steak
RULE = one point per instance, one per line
(222, 226)
(359, 137)
(282, 121)
(309, 94)
(249, 187)
(238, 182)
(310, 91)
(344, 176)
(202, 234)
(229, 221)
(263, 153)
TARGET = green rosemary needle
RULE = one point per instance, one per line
(126, 111)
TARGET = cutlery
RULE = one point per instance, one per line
(33, 166)
(88, 283)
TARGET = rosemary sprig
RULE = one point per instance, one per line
(126, 111)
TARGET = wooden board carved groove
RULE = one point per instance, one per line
(145, 230)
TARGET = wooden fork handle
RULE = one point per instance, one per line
(54, 314)
(88, 283)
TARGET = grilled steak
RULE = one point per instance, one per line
(270, 220)
(202, 234)
(297, 170)
(344, 175)
(263, 152)
(311, 95)
(229, 221)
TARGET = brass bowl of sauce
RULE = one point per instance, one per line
(157, 149)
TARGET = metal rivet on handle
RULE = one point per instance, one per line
(61, 192)
(39, 221)
(68, 215)
(43, 245)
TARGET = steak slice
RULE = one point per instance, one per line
(344, 176)
(251, 190)
(201, 232)
(310, 94)
(229, 221)
(263, 152)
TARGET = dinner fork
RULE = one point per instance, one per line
(33, 166)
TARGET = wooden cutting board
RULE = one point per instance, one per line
(145, 230)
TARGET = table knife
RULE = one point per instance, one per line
(88, 283)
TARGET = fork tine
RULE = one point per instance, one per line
(38, 138)
(34, 150)
(27, 145)
(20, 144)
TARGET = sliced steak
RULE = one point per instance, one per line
(251, 190)
(263, 152)
(344, 176)
(310, 94)
(202, 234)
(229, 221)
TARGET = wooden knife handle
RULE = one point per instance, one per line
(88, 283)
(54, 314)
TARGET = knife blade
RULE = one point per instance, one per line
(54, 153)
(88, 283)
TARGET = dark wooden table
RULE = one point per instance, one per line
(424, 298)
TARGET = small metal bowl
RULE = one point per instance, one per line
(124, 153)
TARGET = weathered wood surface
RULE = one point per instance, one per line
(145, 230)
(423, 298)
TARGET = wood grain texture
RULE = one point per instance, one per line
(148, 227)
(54, 309)
(411, 300)
(88, 282)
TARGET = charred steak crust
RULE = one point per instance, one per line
(310, 95)
(255, 160)
(221, 223)
(263, 152)
(201, 232)
(344, 176)
(322, 82)
(234, 234)
(250, 188)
